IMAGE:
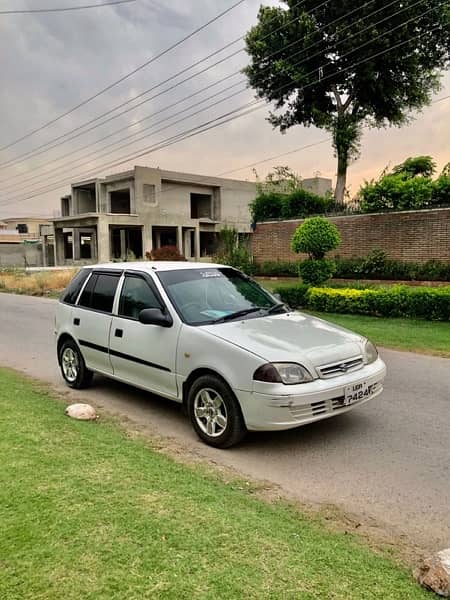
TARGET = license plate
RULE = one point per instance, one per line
(358, 391)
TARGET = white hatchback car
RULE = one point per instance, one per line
(213, 339)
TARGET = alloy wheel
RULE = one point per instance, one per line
(70, 364)
(210, 412)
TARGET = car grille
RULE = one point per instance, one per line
(316, 409)
(341, 367)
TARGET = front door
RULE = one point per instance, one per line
(92, 318)
(143, 355)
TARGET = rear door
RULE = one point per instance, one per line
(143, 355)
(92, 318)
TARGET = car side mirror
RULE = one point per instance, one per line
(155, 316)
(277, 296)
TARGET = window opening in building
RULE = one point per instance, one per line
(120, 202)
(201, 206)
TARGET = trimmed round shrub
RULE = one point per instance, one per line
(316, 272)
(315, 237)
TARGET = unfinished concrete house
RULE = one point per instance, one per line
(128, 214)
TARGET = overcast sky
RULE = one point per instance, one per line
(51, 62)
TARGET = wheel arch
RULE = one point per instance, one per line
(63, 338)
(194, 375)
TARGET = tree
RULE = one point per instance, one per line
(330, 65)
(281, 179)
(417, 165)
(408, 186)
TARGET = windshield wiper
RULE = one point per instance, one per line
(237, 314)
(275, 307)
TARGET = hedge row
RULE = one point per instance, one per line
(365, 268)
(378, 266)
(432, 304)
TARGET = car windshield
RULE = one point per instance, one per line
(215, 295)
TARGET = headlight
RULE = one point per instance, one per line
(370, 352)
(287, 373)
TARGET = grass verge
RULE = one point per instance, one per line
(87, 512)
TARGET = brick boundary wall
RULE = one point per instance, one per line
(410, 236)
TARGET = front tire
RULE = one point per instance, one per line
(73, 368)
(215, 412)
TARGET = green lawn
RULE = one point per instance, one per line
(88, 512)
(429, 337)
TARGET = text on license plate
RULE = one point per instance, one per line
(358, 391)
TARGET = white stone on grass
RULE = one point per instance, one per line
(434, 573)
(82, 412)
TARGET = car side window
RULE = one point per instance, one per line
(86, 296)
(136, 295)
(70, 294)
(104, 292)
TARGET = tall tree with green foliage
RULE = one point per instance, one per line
(338, 66)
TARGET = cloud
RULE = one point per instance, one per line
(52, 62)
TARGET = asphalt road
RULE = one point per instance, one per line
(387, 462)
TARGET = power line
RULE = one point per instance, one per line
(207, 87)
(218, 121)
(264, 160)
(441, 99)
(128, 126)
(120, 146)
(206, 108)
(127, 76)
(34, 152)
(37, 151)
(68, 8)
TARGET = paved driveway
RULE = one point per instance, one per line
(387, 462)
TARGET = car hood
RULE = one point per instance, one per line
(291, 337)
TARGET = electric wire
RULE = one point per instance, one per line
(34, 152)
(218, 121)
(196, 93)
(232, 95)
(65, 9)
(127, 75)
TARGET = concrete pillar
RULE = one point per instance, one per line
(147, 239)
(94, 249)
(103, 241)
(76, 244)
(123, 244)
(197, 243)
(180, 244)
(59, 247)
(187, 243)
(44, 251)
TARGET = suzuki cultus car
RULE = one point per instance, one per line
(210, 337)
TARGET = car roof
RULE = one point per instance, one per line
(153, 265)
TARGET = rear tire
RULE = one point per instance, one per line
(73, 368)
(215, 412)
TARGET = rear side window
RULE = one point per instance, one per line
(70, 294)
(104, 292)
(86, 296)
(99, 292)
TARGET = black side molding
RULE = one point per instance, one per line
(134, 359)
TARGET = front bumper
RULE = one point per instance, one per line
(272, 407)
